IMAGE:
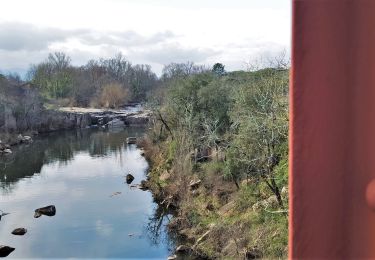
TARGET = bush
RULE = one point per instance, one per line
(113, 95)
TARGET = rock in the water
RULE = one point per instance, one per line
(48, 211)
(3, 214)
(129, 178)
(19, 231)
(7, 151)
(27, 139)
(131, 140)
(115, 193)
(5, 250)
(116, 123)
(144, 185)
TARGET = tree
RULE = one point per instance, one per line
(218, 69)
(181, 70)
(142, 80)
(53, 76)
(260, 129)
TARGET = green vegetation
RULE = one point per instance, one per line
(228, 130)
(88, 85)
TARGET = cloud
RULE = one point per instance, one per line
(173, 52)
(23, 36)
(124, 39)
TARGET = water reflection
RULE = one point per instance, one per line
(77, 171)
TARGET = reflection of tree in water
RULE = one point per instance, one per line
(156, 228)
(61, 147)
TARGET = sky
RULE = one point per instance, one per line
(155, 32)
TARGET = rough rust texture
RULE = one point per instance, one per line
(332, 129)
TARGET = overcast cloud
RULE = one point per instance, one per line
(155, 32)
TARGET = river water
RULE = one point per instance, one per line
(82, 173)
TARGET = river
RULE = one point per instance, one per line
(82, 173)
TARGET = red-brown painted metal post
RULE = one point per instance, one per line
(332, 130)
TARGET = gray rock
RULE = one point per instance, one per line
(182, 249)
(253, 253)
(194, 184)
(5, 250)
(144, 185)
(129, 178)
(131, 140)
(19, 231)
(26, 139)
(47, 211)
(7, 151)
(116, 123)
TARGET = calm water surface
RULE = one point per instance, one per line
(79, 172)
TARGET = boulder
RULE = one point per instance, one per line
(19, 231)
(182, 249)
(129, 178)
(5, 250)
(194, 184)
(116, 123)
(19, 138)
(48, 211)
(253, 253)
(172, 257)
(7, 151)
(131, 140)
(144, 185)
(27, 139)
(137, 118)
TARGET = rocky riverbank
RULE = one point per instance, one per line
(214, 219)
(66, 118)
(109, 117)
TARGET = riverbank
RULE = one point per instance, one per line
(65, 118)
(213, 218)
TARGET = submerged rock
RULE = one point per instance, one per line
(3, 214)
(129, 178)
(19, 231)
(48, 211)
(6, 250)
(144, 185)
(116, 193)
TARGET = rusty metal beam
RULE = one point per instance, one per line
(332, 130)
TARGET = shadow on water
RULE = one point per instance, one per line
(60, 146)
